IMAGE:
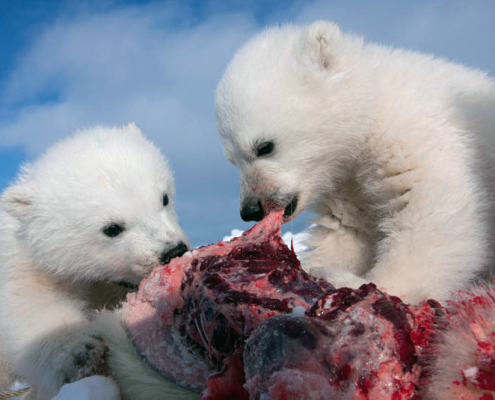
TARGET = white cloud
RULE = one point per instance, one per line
(155, 65)
(158, 65)
(296, 240)
(123, 65)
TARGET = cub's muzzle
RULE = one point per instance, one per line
(252, 211)
(176, 251)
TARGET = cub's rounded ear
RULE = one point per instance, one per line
(319, 44)
(17, 200)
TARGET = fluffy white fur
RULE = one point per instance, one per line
(394, 149)
(457, 354)
(57, 265)
(137, 381)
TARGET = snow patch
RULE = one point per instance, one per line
(471, 373)
(93, 388)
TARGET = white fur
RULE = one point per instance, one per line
(456, 350)
(57, 265)
(136, 379)
(394, 149)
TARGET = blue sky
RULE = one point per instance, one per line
(68, 65)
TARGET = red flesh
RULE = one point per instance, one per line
(198, 311)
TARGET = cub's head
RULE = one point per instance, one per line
(98, 206)
(290, 116)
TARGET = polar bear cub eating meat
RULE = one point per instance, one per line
(395, 151)
(82, 224)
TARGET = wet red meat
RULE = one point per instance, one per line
(461, 359)
(243, 320)
(198, 310)
(352, 344)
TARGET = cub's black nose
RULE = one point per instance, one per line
(252, 212)
(176, 251)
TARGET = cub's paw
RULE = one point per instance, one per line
(86, 357)
(65, 357)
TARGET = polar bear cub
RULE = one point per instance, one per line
(81, 225)
(394, 150)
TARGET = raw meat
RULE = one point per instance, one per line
(198, 310)
(461, 359)
(305, 339)
(352, 344)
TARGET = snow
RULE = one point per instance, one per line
(471, 373)
(18, 385)
(92, 388)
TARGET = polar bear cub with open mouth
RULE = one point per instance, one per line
(394, 149)
(81, 225)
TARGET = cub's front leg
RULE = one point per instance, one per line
(437, 242)
(47, 336)
(341, 244)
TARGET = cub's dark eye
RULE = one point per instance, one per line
(264, 149)
(113, 230)
(165, 200)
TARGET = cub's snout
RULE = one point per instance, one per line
(255, 210)
(174, 252)
(252, 211)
